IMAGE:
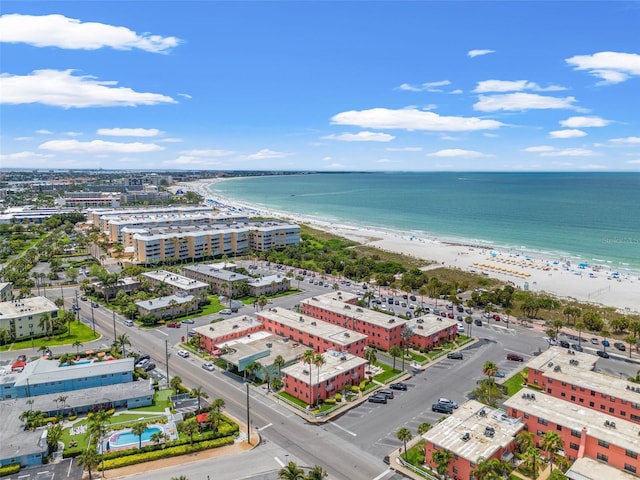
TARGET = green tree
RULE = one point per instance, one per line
(319, 361)
(580, 326)
(532, 460)
(138, 429)
(218, 404)
(54, 434)
(317, 473)
(89, 459)
(189, 427)
(469, 321)
(631, 340)
(492, 469)
(424, 427)
(279, 362)
(199, 393)
(121, 343)
(490, 369)
(442, 459)
(291, 472)
(175, 383)
(551, 443)
(213, 419)
(98, 426)
(404, 435)
(308, 357)
(524, 441)
(395, 351)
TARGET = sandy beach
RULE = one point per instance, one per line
(536, 273)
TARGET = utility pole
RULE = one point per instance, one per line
(61, 293)
(248, 418)
(93, 321)
(166, 355)
(114, 326)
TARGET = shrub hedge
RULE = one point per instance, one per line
(9, 469)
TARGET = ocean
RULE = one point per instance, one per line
(581, 217)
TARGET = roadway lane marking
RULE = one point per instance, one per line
(383, 474)
(265, 427)
(163, 333)
(42, 473)
(279, 461)
(70, 464)
(344, 429)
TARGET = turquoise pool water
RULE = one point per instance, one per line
(122, 438)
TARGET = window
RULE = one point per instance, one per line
(631, 453)
(562, 394)
(559, 428)
(635, 418)
(604, 444)
(612, 410)
(602, 457)
(592, 404)
(576, 433)
(542, 421)
(573, 398)
(593, 393)
(629, 468)
(574, 446)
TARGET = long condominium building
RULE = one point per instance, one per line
(24, 318)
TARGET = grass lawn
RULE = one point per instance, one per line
(415, 455)
(293, 399)
(160, 402)
(515, 383)
(79, 333)
(417, 357)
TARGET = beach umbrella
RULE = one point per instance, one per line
(89, 352)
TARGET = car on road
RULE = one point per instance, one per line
(496, 317)
(446, 401)
(386, 393)
(386, 459)
(189, 321)
(620, 346)
(378, 399)
(143, 363)
(595, 341)
(183, 353)
(606, 343)
(576, 347)
(450, 315)
(149, 366)
(478, 322)
(226, 311)
(552, 341)
(208, 366)
(603, 354)
(468, 311)
(128, 323)
(515, 357)
(95, 304)
(83, 298)
(398, 386)
(192, 333)
(455, 355)
(441, 408)
(173, 325)
(564, 344)
(501, 374)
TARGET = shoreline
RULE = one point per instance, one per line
(533, 271)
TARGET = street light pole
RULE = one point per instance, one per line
(166, 357)
(248, 417)
(114, 326)
(93, 321)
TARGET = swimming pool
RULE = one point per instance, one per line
(122, 438)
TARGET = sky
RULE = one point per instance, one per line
(320, 86)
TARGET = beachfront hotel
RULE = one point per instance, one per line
(473, 432)
(100, 217)
(570, 376)
(586, 432)
(23, 318)
(383, 331)
(312, 384)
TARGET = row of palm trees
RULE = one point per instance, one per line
(292, 471)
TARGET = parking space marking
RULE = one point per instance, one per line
(344, 429)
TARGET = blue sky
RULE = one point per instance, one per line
(412, 86)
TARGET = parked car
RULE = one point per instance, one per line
(595, 341)
(468, 311)
(189, 321)
(386, 393)
(208, 366)
(142, 363)
(398, 386)
(496, 317)
(441, 408)
(606, 343)
(552, 341)
(191, 333)
(378, 399)
(564, 344)
(460, 308)
(412, 298)
(478, 322)
(515, 357)
(183, 353)
(576, 347)
(149, 366)
(603, 354)
(386, 459)
(620, 346)
(173, 325)
(95, 304)
(450, 315)
(455, 355)
(443, 314)
(226, 311)
(460, 328)
(501, 374)
(446, 401)
(83, 298)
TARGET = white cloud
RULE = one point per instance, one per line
(449, 138)
(386, 160)
(611, 67)
(187, 160)
(24, 156)
(98, 146)
(478, 53)
(336, 166)
(361, 137)
(70, 33)
(634, 162)
(403, 149)
(412, 119)
(539, 148)
(458, 152)
(490, 135)
(569, 152)
(584, 122)
(632, 140)
(44, 132)
(517, 102)
(129, 132)
(513, 86)
(593, 166)
(327, 159)
(170, 140)
(572, 133)
(185, 95)
(23, 139)
(266, 154)
(73, 134)
(457, 91)
(425, 87)
(208, 153)
(60, 88)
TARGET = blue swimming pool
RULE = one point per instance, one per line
(122, 438)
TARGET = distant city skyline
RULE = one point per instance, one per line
(321, 86)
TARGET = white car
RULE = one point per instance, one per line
(208, 366)
(460, 328)
(446, 401)
(226, 311)
(552, 341)
(183, 353)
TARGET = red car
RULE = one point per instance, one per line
(496, 317)
(443, 314)
(450, 315)
(173, 325)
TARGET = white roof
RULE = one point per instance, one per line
(336, 364)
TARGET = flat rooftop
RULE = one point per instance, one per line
(26, 306)
(336, 364)
(586, 468)
(427, 325)
(338, 335)
(262, 342)
(211, 267)
(175, 280)
(575, 417)
(469, 418)
(230, 325)
(266, 280)
(161, 302)
(336, 303)
(577, 369)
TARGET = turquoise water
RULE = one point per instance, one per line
(587, 217)
(125, 437)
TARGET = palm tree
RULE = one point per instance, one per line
(631, 340)
(442, 459)
(395, 352)
(424, 427)
(54, 434)
(175, 383)
(404, 435)
(308, 357)
(89, 459)
(189, 427)
(77, 344)
(251, 369)
(199, 393)
(524, 441)
(532, 460)
(469, 321)
(279, 362)
(317, 473)
(551, 443)
(319, 361)
(490, 369)
(370, 355)
(491, 469)
(63, 400)
(121, 342)
(580, 326)
(157, 437)
(138, 429)
(218, 404)
(97, 426)
(45, 324)
(406, 334)
(213, 419)
(291, 472)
